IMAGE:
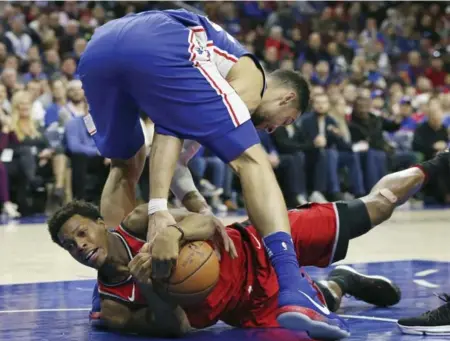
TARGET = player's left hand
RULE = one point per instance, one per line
(221, 236)
(140, 266)
(165, 252)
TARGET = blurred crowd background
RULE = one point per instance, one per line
(379, 72)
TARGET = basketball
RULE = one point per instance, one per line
(195, 275)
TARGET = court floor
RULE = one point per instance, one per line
(45, 295)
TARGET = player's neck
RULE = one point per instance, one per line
(116, 264)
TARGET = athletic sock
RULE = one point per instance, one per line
(281, 251)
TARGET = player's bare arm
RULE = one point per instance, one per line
(191, 227)
(119, 193)
(163, 160)
(258, 181)
(144, 321)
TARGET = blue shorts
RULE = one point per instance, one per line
(151, 62)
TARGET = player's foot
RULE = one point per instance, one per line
(94, 314)
(376, 290)
(332, 300)
(306, 310)
(434, 322)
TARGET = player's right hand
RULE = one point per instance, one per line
(165, 252)
(140, 266)
(161, 262)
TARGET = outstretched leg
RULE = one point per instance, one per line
(395, 189)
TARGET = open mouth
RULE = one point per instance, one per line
(91, 255)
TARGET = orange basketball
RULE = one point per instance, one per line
(195, 275)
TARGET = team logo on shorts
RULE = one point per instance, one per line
(201, 50)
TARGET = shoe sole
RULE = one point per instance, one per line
(332, 300)
(439, 330)
(385, 300)
(315, 329)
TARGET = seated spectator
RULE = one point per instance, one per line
(6, 137)
(314, 52)
(54, 124)
(430, 138)
(70, 35)
(58, 102)
(367, 136)
(32, 161)
(9, 79)
(289, 169)
(34, 88)
(436, 73)
(322, 74)
(68, 70)
(34, 71)
(75, 105)
(18, 38)
(85, 160)
(79, 46)
(322, 131)
(276, 40)
(52, 63)
(401, 140)
(221, 176)
(291, 141)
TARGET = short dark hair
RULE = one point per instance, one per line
(59, 218)
(296, 81)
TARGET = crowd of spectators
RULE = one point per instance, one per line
(380, 84)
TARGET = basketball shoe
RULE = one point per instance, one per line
(376, 290)
(311, 314)
(434, 322)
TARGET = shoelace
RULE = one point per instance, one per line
(443, 297)
(437, 312)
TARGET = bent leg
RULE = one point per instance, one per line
(391, 191)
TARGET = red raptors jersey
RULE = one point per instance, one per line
(246, 294)
(126, 291)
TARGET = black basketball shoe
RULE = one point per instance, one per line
(434, 322)
(331, 299)
(376, 290)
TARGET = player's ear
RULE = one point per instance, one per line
(101, 222)
(288, 98)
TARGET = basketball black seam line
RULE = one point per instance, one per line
(193, 273)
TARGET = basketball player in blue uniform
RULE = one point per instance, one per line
(197, 82)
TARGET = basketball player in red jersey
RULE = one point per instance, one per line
(246, 294)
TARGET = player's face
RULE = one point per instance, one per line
(85, 240)
(276, 109)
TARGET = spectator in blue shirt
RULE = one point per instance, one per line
(85, 160)
(34, 72)
(58, 102)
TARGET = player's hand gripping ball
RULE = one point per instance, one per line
(140, 266)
